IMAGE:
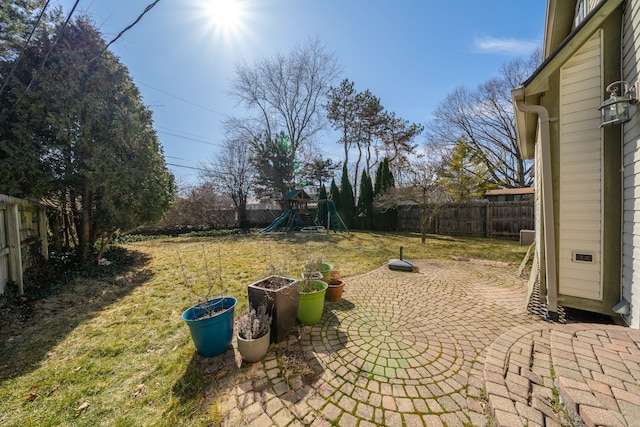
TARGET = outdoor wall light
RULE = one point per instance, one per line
(615, 110)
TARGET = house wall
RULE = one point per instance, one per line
(581, 213)
(631, 168)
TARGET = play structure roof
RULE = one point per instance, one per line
(296, 195)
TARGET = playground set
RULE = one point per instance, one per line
(296, 216)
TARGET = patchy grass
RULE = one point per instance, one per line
(112, 350)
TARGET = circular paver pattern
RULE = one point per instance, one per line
(399, 349)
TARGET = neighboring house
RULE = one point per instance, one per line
(587, 177)
(510, 194)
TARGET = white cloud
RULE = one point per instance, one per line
(508, 46)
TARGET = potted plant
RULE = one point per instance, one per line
(318, 265)
(211, 325)
(210, 321)
(335, 286)
(279, 294)
(253, 335)
(311, 299)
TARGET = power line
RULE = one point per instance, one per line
(201, 141)
(53, 45)
(127, 28)
(24, 47)
(186, 167)
(204, 138)
(183, 99)
(184, 160)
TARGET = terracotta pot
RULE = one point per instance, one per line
(334, 291)
(334, 275)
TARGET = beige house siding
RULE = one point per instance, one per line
(581, 212)
(631, 170)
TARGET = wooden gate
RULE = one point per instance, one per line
(23, 227)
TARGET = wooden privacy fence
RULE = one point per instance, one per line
(23, 227)
(479, 219)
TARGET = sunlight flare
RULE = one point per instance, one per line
(224, 21)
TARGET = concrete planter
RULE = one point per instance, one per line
(253, 350)
(280, 295)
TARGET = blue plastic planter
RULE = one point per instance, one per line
(211, 335)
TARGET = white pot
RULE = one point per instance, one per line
(253, 350)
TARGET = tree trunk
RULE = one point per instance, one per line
(84, 233)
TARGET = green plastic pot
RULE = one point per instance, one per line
(325, 269)
(311, 304)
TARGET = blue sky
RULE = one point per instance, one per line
(409, 53)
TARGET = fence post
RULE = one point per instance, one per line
(15, 252)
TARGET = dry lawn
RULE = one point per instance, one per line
(115, 351)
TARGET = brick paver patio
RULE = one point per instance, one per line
(451, 345)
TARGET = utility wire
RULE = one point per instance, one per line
(24, 47)
(190, 139)
(186, 167)
(182, 159)
(46, 57)
(182, 99)
(127, 28)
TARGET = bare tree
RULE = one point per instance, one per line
(342, 112)
(231, 174)
(424, 189)
(485, 118)
(286, 93)
(198, 208)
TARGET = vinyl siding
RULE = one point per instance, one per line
(631, 170)
(581, 172)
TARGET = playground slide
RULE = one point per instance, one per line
(277, 222)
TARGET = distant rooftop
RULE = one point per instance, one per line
(509, 191)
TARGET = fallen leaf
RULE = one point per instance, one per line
(32, 397)
(83, 405)
(138, 390)
(53, 390)
(201, 400)
(221, 374)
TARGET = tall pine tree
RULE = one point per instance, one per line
(347, 202)
(335, 193)
(365, 202)
(323, 208)
(386, 219)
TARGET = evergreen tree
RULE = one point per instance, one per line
(384, 177)
(335, 194)
(323, 208)
(347, 201)
(273, 160)
(82, 137)
(465, 176)
(365, 202)
(385, 219)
